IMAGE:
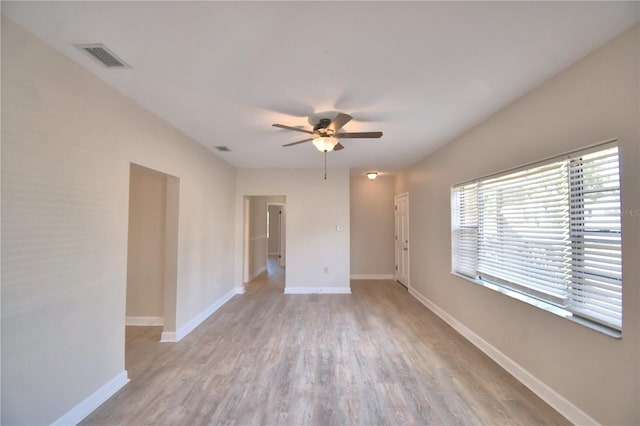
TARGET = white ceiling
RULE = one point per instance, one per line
(423, 73)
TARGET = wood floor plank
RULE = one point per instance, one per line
(375, 357)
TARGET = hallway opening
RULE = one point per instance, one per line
(152, 255)
(264, 241)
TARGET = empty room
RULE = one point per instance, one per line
(327, 213)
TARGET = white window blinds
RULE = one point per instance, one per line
(465, 230)
(596, 243)
(550, 231)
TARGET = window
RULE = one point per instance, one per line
(549, 231)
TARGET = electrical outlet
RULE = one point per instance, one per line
(326, 269)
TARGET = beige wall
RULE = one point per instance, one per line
(594, 100)
(372, 237)
(67, 143)
(146, 243)
(400, 183)
(314, 208)
(257, 235)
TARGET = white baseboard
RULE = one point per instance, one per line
(317, 290)
(176, 336)
(372, 276)
(86, 407)
(257, 272)
(168, 337)
(239, 290)
(574, 414)
(143, 321)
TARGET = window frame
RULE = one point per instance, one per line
(507, 288)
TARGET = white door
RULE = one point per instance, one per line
(402, 238)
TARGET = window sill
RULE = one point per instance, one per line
(544, 306)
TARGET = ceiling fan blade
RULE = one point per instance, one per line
(338, 147)
(282, 126)
(354, 135)
(296, 143)
(340, 120)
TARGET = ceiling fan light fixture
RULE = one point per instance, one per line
(372, 175)
(325, 143)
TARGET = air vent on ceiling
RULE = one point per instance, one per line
(103, 55)
(222, 148)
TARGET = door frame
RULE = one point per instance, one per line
(396, 199)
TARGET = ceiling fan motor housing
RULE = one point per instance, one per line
(322, 124)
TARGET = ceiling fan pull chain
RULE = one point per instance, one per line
(325, 165)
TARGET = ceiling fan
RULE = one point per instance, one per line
(326, 134)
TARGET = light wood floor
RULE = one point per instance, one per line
(376, 357)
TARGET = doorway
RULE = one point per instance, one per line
(264, 237)
(152, 249)
(401, 222)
